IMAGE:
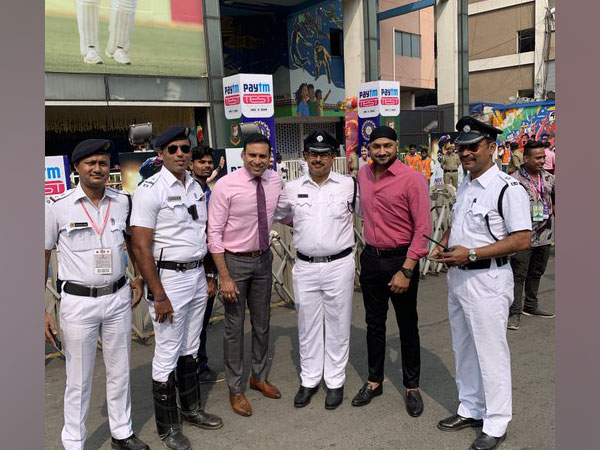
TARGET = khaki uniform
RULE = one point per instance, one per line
(450, 164)
(516, 161)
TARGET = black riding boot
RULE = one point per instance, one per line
(189, 395)
(167, 415)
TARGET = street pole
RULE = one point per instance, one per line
(463, 58)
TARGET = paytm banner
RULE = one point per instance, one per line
(378, 104)
(249, 98)
(57, 179)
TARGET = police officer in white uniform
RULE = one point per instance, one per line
(87, 224)
(169, 240)
(490, 220)
(321, 205)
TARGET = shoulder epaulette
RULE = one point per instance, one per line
(149, 182)
(56, 198)
(508, 179)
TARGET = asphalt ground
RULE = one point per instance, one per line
(383, 424)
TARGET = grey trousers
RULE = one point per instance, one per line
(528, 267)
(253, 278)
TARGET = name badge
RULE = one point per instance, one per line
(174, 198)
(103, 261)
(538, 212)
(302, 195)
(78, 225)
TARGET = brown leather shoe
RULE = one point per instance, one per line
(240, 405)
(267, 389)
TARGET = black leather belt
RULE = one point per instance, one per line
(484, 264)
(387, 252)
(178, 266)
(252, 254)
(323, 259)
(450, 170)
(84, 291)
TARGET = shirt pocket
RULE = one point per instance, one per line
(179, 211)
(302, 209)
(338, 206)
(79, 239)
(117, 231)
(476, 217)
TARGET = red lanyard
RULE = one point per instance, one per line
(98, 230)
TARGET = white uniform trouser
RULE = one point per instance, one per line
(478, 302)
(81, 320)
(323, 298)
(187, 292)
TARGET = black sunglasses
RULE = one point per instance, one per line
(172, 149)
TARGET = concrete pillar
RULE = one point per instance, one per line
(354, 46)
(214, 62)
(407, 101)
(446, 13)
(539, 67)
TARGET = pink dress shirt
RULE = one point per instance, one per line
(550, 159)
(232, 212)
(395, 208)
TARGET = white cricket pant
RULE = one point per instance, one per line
(120, 24)
(478, 303)
(323, 298)
(81, 320)
(187, 292)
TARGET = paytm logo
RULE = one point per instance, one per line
(368, 93)
(233, 89)
(257, 87)
(367, 98)
(389, 92)
(53, 184)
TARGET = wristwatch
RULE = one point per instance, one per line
(408, 273)
(472, 255)
(210, 275)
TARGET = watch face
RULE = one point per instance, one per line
(472, 258)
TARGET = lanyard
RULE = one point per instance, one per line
(98, 230)
(539, 189)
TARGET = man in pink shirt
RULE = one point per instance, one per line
(241, 210)
(395, 207)
(550, 155)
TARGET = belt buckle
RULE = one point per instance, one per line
(321, 259)
(93, 292)
(104, 290)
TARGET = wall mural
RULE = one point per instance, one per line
(526, 119)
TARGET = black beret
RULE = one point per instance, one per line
(91, 147)
(320, 141)
(383, 132)
(171, 134)
(472, 131)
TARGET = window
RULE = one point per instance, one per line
(525, 93)
(408, 44)
(336, 42)
(526, 40)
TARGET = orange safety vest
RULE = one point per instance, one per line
(425, 168)
(506, 156)
(413, 161)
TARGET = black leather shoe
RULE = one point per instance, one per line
(456, 422)
(202, 419)
(487, 442)
(414, 403)
(334, 397)
(303, 396)
(366, 394)
(130, 443)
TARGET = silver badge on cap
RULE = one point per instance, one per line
(466, 129)
(319, 138)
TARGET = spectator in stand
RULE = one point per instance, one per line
(529, 265)
(412, 159)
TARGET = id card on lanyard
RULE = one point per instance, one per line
(102, 256)
(541, 211)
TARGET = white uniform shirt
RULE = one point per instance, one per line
(161, 202)
(69, 229)
(478, 198)
(322, 215)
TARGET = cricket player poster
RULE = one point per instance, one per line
(134, 37)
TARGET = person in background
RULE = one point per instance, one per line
(364, 156)
(550, 155)
(424, 164)
(516, 158)
(412, 159)
(450, 161)
(529, 265)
